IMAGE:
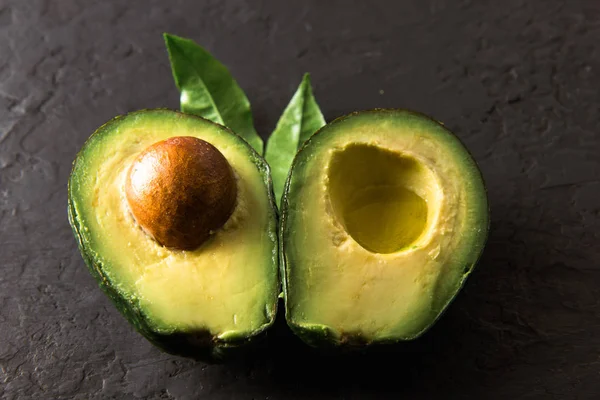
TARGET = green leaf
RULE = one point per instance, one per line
(208, 89)
(300, 119)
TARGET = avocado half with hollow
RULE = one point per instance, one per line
(175, 217)
(384, 216)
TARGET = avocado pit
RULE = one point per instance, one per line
(179, 190)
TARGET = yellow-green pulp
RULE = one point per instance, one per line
(373, 197)
(385, 219)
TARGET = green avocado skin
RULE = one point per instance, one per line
(199, 345)
(325, 337)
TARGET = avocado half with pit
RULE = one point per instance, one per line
(384, 216)
(175, 217)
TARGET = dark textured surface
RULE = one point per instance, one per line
(517, 80)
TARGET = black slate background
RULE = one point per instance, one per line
(518, 81)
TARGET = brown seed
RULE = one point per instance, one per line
(179, 190)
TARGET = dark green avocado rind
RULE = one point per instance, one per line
(318, 335)
(200, 344)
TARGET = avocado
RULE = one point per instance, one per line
(384, 216)
(175, 217)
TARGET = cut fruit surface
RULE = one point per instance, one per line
(197, 302)
(384, 216)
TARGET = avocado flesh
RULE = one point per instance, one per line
(384, 216)
(193, 303)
